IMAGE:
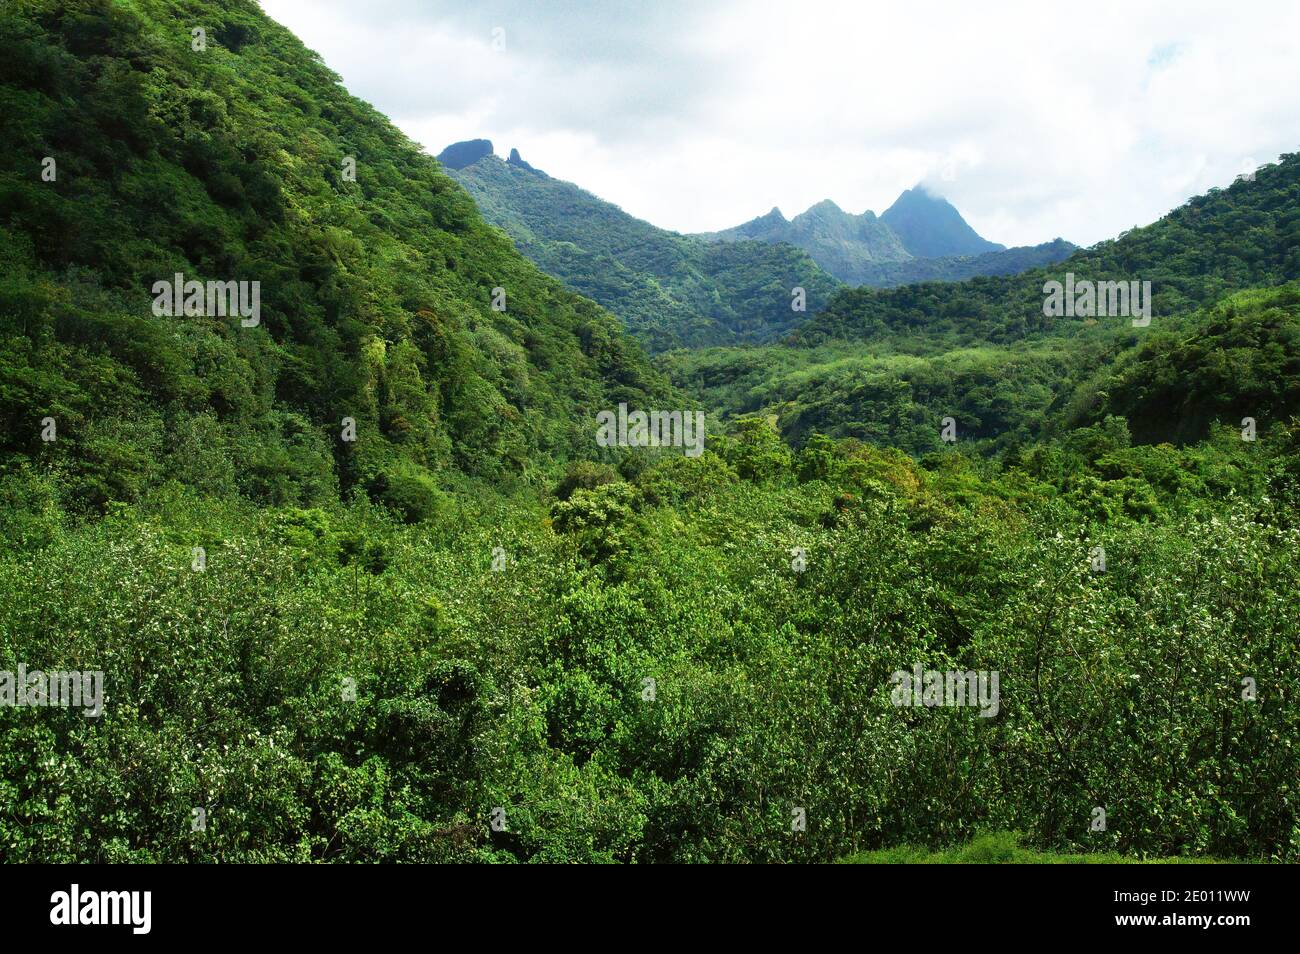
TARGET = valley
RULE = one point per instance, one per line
(516, 529)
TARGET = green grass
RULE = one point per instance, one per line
(1003, 848)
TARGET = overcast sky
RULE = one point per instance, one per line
(1035, 119)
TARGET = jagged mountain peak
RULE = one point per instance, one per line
(517, 160)
(672, 290)
(931, 227)
(826, 205)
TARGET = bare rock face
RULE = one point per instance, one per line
(461, 154)
(518, 160)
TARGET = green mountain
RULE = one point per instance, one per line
(133, 155)
(846, 245)
(929, 226)
(474, 634)
(1237, 359)
(1243, 236)
(920, 238)
(956, 268)
(888, 365)
(670, 290)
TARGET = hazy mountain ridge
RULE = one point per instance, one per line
(674, 290)
(1246, 235)
(930, 227)
(921, 237)
(477, 633)
(845, 245)
(671, 290)
(956, 268)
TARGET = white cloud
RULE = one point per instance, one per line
(1050, 118)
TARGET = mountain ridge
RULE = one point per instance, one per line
(929, 226)
(956, 268)
(1009, 307)
(674, 290)
(921, 237)
(669, 289)
(844, 244)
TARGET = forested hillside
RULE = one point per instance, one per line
(235, 163)
(1239, 237)
(956, 268)
(670, 290)
(1237, 359)
(889, 365)
(476, 633)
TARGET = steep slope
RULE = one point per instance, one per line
(887, 366)
(956, 268)
(1240, 359)
(1244, 236)
(136, 151)
(846, 245)
(929, 226)
(920, 238)
(670, 290)
(765, 228)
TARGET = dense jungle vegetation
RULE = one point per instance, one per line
(472, 634)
